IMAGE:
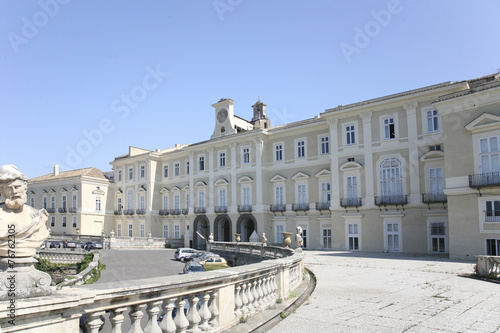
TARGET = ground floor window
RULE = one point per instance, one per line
(393, 237)
(165, 231)
(438, 237)
(143, 230)
(327, 238)
(130, 230)
(492, 247)
(279, 236)
(177, 232)
(353, 237)
(119, 229)
(304, 238)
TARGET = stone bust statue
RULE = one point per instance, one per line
(27, 224)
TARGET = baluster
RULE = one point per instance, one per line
(116, 317)
(237, 302)
(256, 296)
(167, 324)
(274, 287)
(193, 316)
(94, 321)
(205, 312)
(251, 308)
(136, 315)
(180, 318)
(153, 311)
(244, 299)
(214, 310)
(265, 290)
(260, 290)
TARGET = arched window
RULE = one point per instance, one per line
(391, 178)
(130, 199)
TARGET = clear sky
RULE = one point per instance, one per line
(84, 80)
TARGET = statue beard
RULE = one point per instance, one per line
(14, 204)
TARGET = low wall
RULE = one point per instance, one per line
(216, 300)
(488, 266)
(61, 256)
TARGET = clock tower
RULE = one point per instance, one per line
(226, 122)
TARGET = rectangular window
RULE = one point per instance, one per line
(438, 237)
(187, 200)
(52, 221)
(165, 202)
(177, 202)
(492, 211)
(393, 237)
(327, 238)
(98, 204)
(278, 152)
(119, 204)
(325, 145)
(187, 167)
(301, 149)
(436, 180)
(142, 202)
(74, 221)
(165, 171)
(64, 202)
(177, 232)
(201, 199)
(352, 187)
(489, 155)
(304, 238)
(246, 155)
(222, 160)
(301, 194)
(389, 129)
(45, 202)
(142, 171)
(247, 198)
(32, 202)
(222, 198)
(279, 236)
(325, 192)
(119, 175)
(350, 135)
(52, 202)
(143, 230)
(73, 201)
(493, 247)
(119, 229)
(130, 230)
(353, 237)
(64, 221)
(177, 169)
(432, 121)
(279, 195)
(130, 173)
(165, 231)
(201, 164)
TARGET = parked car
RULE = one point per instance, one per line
(55, 245)
(91, 246)
(197, 254)
(193, 267)
(205, 256)
(183, 252)
(214, 263)
(69, 244)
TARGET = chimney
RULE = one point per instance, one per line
(56, 169)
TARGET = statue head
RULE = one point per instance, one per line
(13, 186)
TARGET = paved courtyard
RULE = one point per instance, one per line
(380, 292)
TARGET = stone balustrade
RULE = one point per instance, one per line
(488, 266)
(212, 301)
(58, 256)
(253, 249)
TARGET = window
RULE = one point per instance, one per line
(32, 202)
(187, 200)
(222, 197)
(327, 238)
(278, 152)
(73, 201)
(279, 236)
(165, 231)
(247, 198)
(165, 171)
(177, 169)
(201, 163)
(142, 171)
(304, 238)
(187, 167)
(143, 230)
(130, 173)
(436, 180)
(98, 204)
(325, 192)
(74, 221)
(246, 155)
(165, 202)
(64, 202)
(119, 204)
(119, 175)
(177, 232)
(392, 237)
(352, 187)
(201, 199)
(301, 148)
(64, 221)
(492, 211)
(279, 195)
(53, 221)
(130, 199)
(301, 194)
(489, 155)
(119, 229)
(325, 145)
(52, 202)
(492, 247)
(177, 202)
(130, 230)
(142, 202)
(438, 237)
(389, 128)
(45, 202)
(391, 179)
(222, 160)
(353, 237)
(350, 135)
(432, 121)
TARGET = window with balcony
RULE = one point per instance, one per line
(177, 202)
(32, 202)
(119, 204)
(201, 199)
(492, 211)
(52, 203)
(64, 203)
(279, 196)
(391, 181)
(142, 202)
(130, 199)
(44, 202)
(489, 155)
(165, 202)
(325, 193)
(247, 196)
(301, 194)
(432, 120)
(278, 152)
(222, 198)
(73, 202)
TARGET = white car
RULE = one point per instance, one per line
(183, 252)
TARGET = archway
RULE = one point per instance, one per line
(245, 226)
(201, 225)
(222, 228)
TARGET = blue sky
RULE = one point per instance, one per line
(84, 80)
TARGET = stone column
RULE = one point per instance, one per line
(209, 204)
(258, 171)
(334, 164)
(233, 208)
(191, 182)
(413, 170)
(369, 173)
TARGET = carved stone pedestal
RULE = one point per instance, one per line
(19, 279)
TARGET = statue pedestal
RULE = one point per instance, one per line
(19, 279)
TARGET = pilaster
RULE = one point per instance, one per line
(413, 165)
(368, 155)
(334, 164)
(210, 198)
(191, 182)
(233, 205)
(258, 171)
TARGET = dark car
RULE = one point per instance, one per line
(193, 267)
(91, 246)
(55, 245)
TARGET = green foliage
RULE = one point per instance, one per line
(279, 301)
(292, 294)
(283, 315)
(243, 319)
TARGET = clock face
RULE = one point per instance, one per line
(222, 115)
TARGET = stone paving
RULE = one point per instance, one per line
(381, 292)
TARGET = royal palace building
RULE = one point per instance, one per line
(414, 172)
